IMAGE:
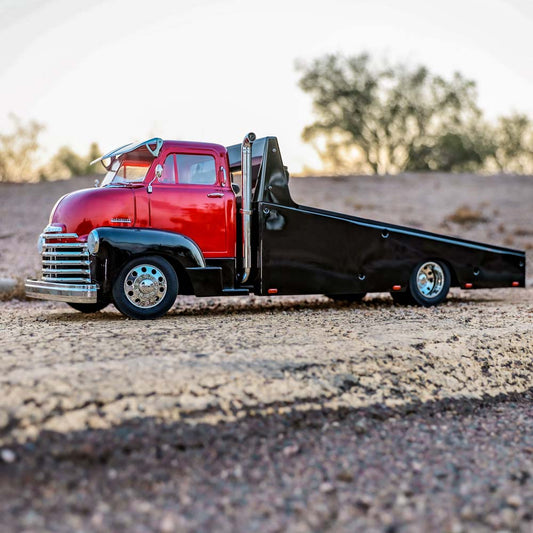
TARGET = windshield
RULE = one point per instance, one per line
(126, 172)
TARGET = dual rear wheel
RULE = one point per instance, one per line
(428, 285)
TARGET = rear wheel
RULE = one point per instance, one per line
(429, 283)
(146, 288)
(356, 297)
(88, 308)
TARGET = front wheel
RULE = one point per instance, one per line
(146, 288)
(429, 283)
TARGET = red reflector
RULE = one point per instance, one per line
(272, 291)
(516, 284)
(396, 287)
(468, 285)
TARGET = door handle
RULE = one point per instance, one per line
(215, 195)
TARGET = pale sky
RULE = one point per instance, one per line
(120, 70)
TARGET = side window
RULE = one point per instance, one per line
(169, 172)
(196, 169)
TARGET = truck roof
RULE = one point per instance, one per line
(153, 146)
(193, 145)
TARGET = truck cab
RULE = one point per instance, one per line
(168, 219)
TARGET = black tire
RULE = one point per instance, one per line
(88, 308)
(351, 298)
(430, 282)
(403, 298)
(146, 288)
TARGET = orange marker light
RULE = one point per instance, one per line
(516, 284)
(396, 287)
(468, 285)
(272, 291)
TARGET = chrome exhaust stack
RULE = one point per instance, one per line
(246, 208)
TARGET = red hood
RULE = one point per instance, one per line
(84, 210)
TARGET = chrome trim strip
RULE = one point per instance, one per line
(44, 290)
(59, 235)
(65, 245)
(66, 280)
(74, 253)
(66, 262)
(246, 161)
(65, 271)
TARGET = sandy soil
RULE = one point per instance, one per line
(274, 414)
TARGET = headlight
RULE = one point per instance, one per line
(93, 242)
(40, 244)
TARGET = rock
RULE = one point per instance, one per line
(514, 500)
(327, 487)
(345, 382)
(8, 456)
(167, 524)
(291, 450)
(345, 475)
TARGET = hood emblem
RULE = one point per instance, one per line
(119, 220)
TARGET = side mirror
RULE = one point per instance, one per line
(236, 188)
(157, 175)
(224, 179)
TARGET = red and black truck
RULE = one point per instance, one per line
(169, 219)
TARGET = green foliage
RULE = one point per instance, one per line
(66, 163)
(73, 163)
(389, 118)
(19, 154)
(19, 151)
(513, 144)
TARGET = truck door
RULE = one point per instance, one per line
(190, 199)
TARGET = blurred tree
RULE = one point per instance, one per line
(513, 144)
(459, 151)
(74, 164)
(66, 164)
(395, 117)
(19, 150)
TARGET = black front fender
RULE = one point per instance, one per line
(118, 245)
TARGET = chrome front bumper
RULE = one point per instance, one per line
(62, 292)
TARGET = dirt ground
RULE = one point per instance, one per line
(271, 414)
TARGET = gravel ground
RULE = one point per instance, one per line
(324, 416)
(269, 414)
(458, 466)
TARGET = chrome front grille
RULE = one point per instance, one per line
(64, 259)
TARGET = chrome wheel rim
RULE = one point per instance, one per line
(145, 286)
(430, 279)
